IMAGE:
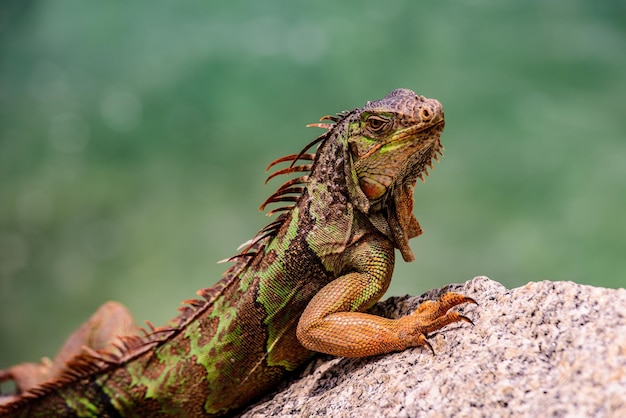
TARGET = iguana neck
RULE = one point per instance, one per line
(334, 196)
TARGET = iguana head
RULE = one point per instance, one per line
(391, 143)
(394, 140)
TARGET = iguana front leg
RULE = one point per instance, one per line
(334, 322)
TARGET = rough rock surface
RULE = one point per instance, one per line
(544, 349)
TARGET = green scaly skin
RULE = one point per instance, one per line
(346, 216)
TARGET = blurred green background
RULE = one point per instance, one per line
(134, 138)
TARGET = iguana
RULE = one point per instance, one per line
(302, 285)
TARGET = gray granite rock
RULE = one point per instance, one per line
(544, 349)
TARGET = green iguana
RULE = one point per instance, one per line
(301, 285)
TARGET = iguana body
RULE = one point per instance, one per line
(300, 286)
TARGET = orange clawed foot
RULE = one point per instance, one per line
(431, 316)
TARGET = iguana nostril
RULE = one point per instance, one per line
(426, 114)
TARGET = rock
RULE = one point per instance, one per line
(544, 349)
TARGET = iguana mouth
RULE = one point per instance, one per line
(418, 131)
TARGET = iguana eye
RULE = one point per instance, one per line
(377, 124)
